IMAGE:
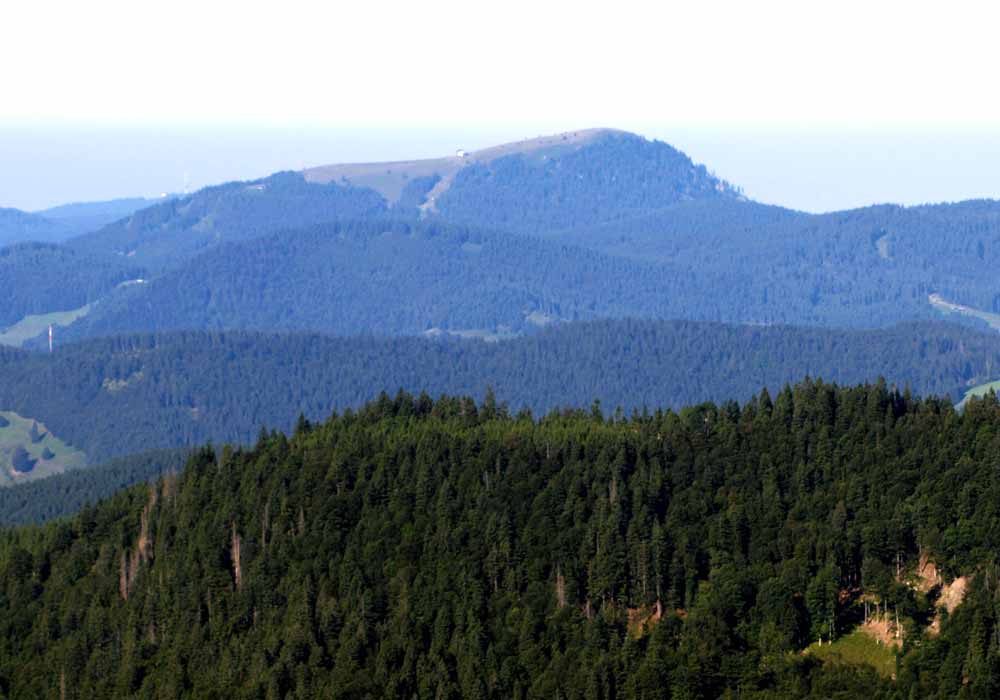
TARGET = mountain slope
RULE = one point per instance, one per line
(525, 187)
(444, 549)
(766, 265)
(39, 278)
(390, 179)
(123, 395)
(612, 177)
(17, 226)
(168, 234)
(544, 184)
(82, 217)
(387, 278)
(694, 248)
(68, 493)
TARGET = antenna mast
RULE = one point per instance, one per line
(50, 338)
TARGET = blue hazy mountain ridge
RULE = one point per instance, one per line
(113, 396)
(611, 175)
(59, 224)
(389, 278)
(78, 218)
(868, 268)
(166, 235)
(612, 178)
(633, 227)
(18, 226)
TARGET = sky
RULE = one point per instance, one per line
(812, 105)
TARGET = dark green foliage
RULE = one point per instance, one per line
(35, 434)
(37, 278)
(64, 494)
(123, 395)
(423, 548)
(47, 454)
(4, 422)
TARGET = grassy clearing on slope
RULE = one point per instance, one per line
(32, 326)
(17, 433)
(857, 649)
(980, 390)
(948, 307)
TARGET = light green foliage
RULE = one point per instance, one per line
(857, 649)
(38, 442)
(978, 391)
(32, 326)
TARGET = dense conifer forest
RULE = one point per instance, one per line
(616, 177)
(39, 278)
(421, 548)
(67, 493)
(166, 234)
(111, 397)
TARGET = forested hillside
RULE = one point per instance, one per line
(614, 226)
(39, 278)
(167, 234)
(67, 493)
(82, 217)
(18, 226)
(402, 278)
(122, 395)
(875, 261)
(616, 176)
(390, 278)
(444, 549)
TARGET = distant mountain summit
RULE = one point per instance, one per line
(543, 184)
(538, 186)
(391, 178)
(629, 228)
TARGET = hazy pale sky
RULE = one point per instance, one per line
(463, 62)
(835, 76)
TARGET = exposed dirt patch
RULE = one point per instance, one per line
(928, 576)
(883, 630)
(951, 597)
(641, 621)
(953, 594)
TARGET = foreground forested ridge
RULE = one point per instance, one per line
(443, 549)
